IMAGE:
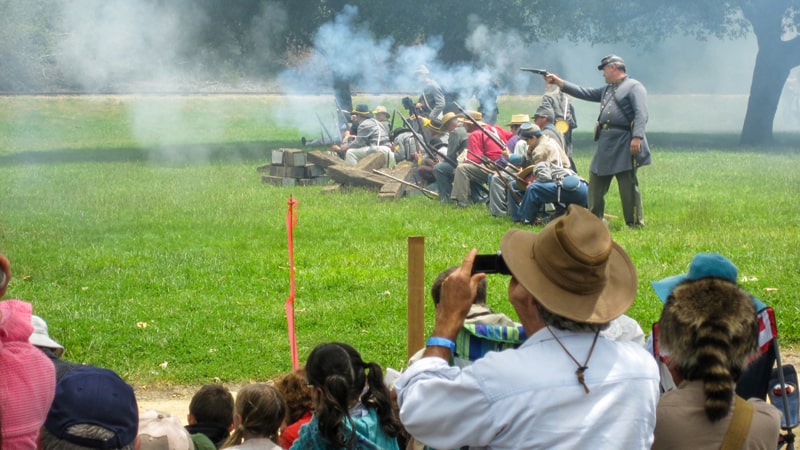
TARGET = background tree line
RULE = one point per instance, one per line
(228, 42)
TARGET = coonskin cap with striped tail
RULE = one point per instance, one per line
(710, 330)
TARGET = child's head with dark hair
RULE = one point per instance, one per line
(259, 412)
(436, 287)
(296, 393)
(212, 404)
(342, 376)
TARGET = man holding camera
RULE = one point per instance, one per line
(620, 135)
(566, 386)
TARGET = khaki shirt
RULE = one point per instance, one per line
(681, 422)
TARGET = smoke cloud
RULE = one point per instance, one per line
(143, 46)
(676, 66)
(153, 46)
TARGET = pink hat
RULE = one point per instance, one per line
(27, 378)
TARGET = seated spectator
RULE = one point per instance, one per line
(566, 386)
(299, 404)
(709, 328)
(93, 408)
(703, 265)
(211, 413)
(479, 312)
(259, 412)
(353, 408)
(162, 431)
(52, 349)
(624, 328)
(202, 442)
(27, 377)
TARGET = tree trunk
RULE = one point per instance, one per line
(774, 61)
(342, 93)
(770, 74)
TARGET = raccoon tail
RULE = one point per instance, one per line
(713, 344)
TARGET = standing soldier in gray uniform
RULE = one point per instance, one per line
(620, 136)
(431, 102)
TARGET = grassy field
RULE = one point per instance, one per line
(140, 230)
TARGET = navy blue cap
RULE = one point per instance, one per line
(94, 396)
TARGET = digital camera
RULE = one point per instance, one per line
(493, 263)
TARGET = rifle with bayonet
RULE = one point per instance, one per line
(492, 167)
(325, 129)
(426, 192)
(541, 72)
(421, 141)
(494, 137)
(341, 111)
(492, 164)
(342, 115)
(341, 121)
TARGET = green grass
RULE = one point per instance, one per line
(111, 223)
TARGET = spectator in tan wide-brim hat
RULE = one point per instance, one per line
(567, 283)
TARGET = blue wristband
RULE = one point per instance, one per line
(436, 341)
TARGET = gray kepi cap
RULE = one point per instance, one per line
(609, 60)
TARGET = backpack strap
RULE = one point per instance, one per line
(739, 426)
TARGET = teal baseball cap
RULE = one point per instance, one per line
(703, 265)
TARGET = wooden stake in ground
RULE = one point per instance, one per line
(291, 221)
(416, 294)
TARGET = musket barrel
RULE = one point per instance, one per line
(425, 191)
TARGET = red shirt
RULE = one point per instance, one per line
(291, 432)
(481, 144)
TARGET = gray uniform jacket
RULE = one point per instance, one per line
(371, 132)
(433, 100)
(620, 104)
(456, 142)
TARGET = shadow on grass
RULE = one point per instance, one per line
(692, 142)
(191, 154)
(261, 151)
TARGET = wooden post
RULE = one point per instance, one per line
(416, 294)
